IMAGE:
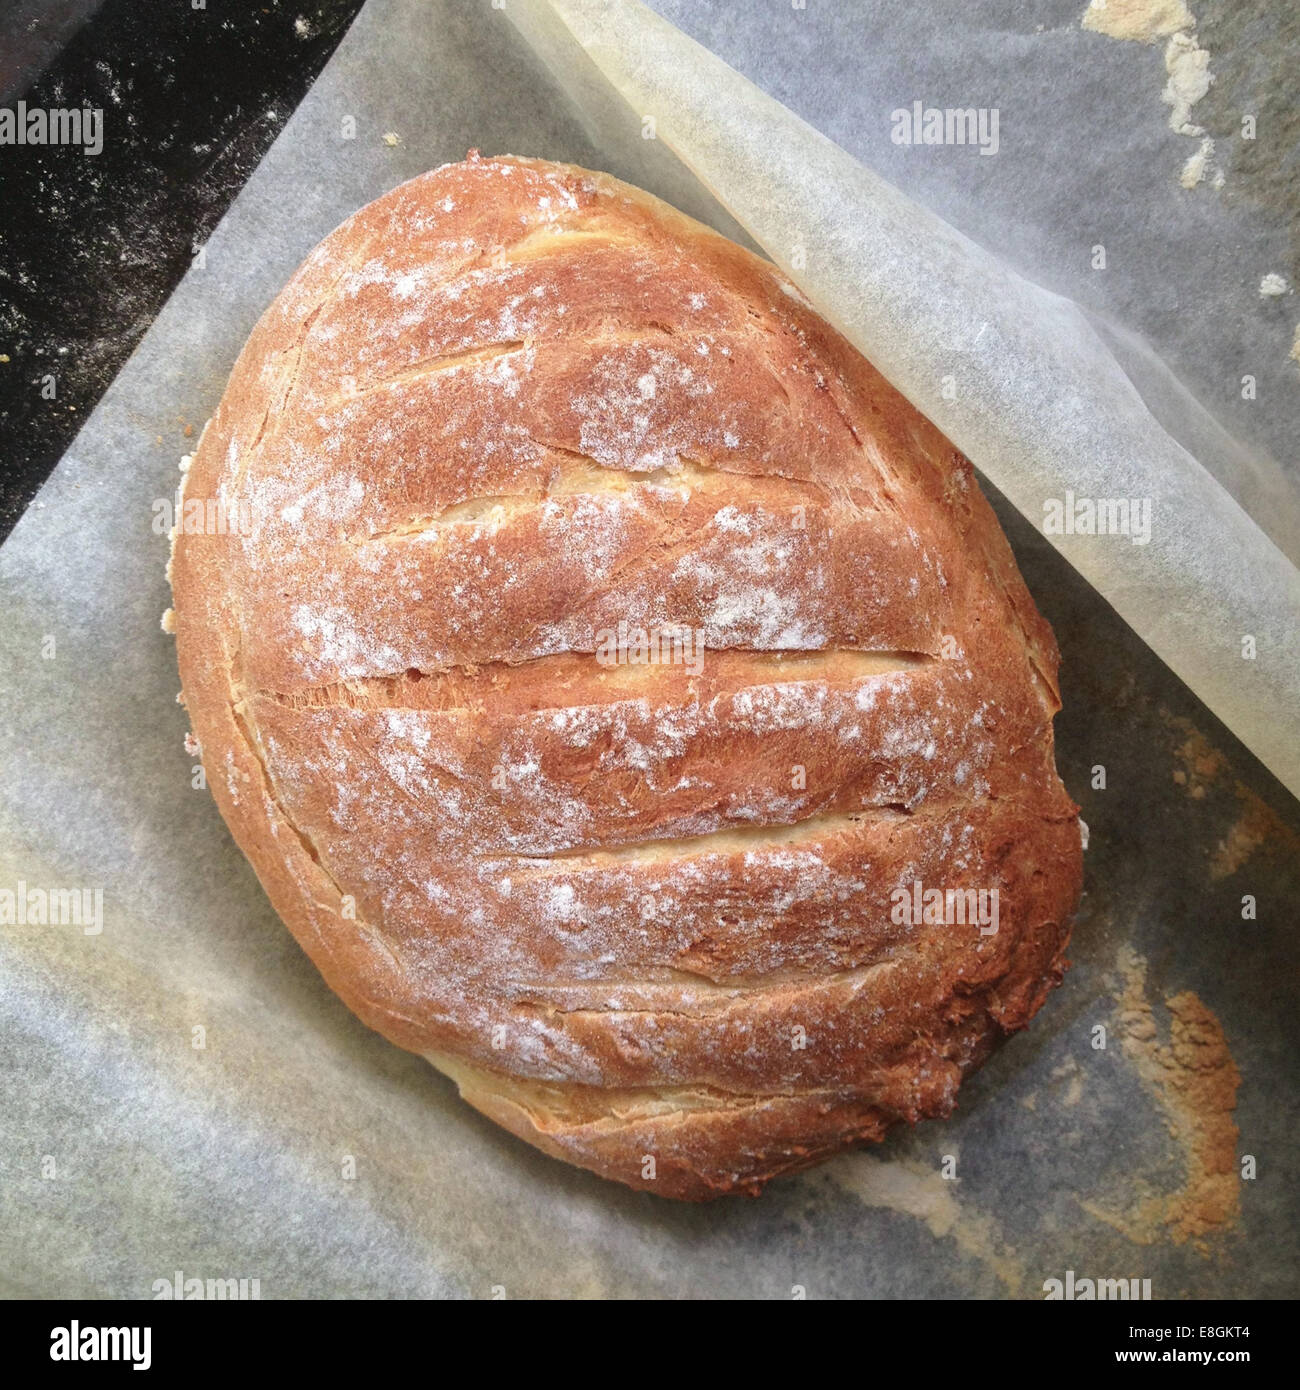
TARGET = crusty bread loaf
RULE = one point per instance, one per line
(650, 914)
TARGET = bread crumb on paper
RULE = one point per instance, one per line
(1272, 285)
(1187, 67)
(1194, 169)
(1143, 21)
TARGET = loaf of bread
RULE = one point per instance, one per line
(626, 698)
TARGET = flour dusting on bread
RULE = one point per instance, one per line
(644, 910)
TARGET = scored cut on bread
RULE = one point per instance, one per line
(606, 658)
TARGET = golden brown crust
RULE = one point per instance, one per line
(638, 911)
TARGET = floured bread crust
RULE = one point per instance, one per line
(641, 913)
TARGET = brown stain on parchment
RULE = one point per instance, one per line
(915, 1189)
(1256, 826)
(1200, 768)
(1194, 1080)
